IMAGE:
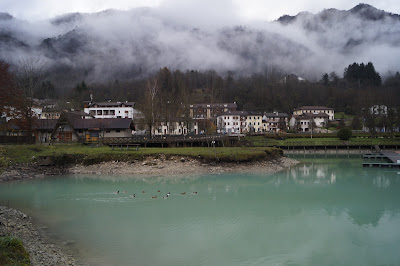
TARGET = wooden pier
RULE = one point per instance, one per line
(389, 159)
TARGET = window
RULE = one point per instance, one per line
(99, 112)
(117, 130)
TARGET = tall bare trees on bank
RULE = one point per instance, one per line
(17, 91)
(149, 105)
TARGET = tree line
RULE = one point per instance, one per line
(359, 88)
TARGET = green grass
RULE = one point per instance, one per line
(325, 141)
(12, 252)
(76, 153)
(342, 115)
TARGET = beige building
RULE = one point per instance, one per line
(254, 123)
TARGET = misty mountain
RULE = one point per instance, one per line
(116, 44)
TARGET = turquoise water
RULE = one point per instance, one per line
(327, 211)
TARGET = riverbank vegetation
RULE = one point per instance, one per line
(82, 154)
(317, 140)
(12, 252)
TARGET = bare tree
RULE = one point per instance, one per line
(29, 75)
(149, 103)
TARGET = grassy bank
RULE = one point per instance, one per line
(260, 141)
(76, 153)
(12, 252)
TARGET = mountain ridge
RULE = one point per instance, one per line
(130, 44)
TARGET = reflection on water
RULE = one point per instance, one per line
(321, 211)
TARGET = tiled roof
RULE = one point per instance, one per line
(110, 104)
(214, 105)
(276, 115)
(244, 113)
(309, 115)
(314, 108)
(108, 123)
(45, 124)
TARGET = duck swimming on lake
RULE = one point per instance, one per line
(183, 193)
(195, 193)
(154, 197)
(132, 196)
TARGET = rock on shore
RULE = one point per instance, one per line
(40, 249)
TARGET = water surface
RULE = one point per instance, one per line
(327, 211)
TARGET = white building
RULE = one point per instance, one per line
(307, 122)
(176, 128)
(378, 110)
(112, 110)
(315, 110)
(233, 122)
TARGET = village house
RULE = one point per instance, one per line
(315, 110)
(111, 109)
(275, 122)
(43, 129)
(73, 126)
(94, 129)
(176, 128)
(210, 110)
(233, 122)
(253, 123)
(308, 122)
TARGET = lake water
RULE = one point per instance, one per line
(329, 211)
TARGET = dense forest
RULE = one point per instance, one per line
(359, 87)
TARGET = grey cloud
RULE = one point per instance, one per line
(129, 44)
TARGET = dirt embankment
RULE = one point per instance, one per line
(150, 166)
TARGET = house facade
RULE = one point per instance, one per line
(210, 110)
(315, 110)
(308, 122)
(253, 123)
(111, 110)
(176, 128)
(275, 122)
(233, 122)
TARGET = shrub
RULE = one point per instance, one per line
(344, 133)
(12, 252)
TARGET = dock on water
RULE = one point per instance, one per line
(389, 159)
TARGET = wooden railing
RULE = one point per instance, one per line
(162, 139)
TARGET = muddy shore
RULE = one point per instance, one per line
(44, 251)
(151, 166)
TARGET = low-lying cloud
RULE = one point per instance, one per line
(129, 44)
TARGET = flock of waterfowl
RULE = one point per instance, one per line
(153, 197)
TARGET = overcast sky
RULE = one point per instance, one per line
(226, 11)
